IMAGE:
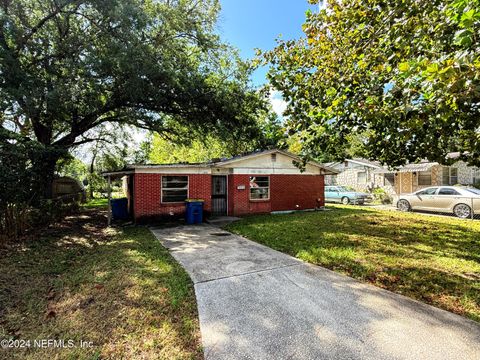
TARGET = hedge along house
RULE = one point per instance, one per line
(260, 182)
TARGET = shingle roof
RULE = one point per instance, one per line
(367, 162)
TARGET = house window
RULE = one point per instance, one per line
(453, 176)
(425, 178)
(361, 177)
(332, 179)
(259, 188)
(174, 189)
(389, 179)
(476, 176)
(449, 176)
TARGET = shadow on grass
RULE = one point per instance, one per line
(431, 259)
(117, 288)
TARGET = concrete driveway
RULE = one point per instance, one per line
(257, 303)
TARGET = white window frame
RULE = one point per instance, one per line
(259, 187)
(162, 188)
(366, 178)
(450, 176)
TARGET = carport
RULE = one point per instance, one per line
(125, 175)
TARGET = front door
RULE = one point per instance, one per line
(219, 195)
(406, 182)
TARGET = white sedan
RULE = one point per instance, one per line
(446, 199)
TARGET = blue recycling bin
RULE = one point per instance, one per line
(194, 211)
(119, 208)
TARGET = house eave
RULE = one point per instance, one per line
(407, 168)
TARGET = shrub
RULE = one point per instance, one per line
(17, 219)
(13, 221)
(381, 195)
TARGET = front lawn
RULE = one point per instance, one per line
(116, 288)
(96, 203)
(432, 259)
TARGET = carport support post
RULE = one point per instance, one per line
(109, 191)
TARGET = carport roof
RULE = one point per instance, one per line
(407, 168)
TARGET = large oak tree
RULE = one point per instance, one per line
(403, 74)
(68, 66)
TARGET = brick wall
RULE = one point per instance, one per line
(238, 200)
(290, 192)
(147, 198)
(287, 192)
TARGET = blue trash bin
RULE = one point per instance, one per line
(194, 211)
(119, 208)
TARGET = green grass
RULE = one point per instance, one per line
(96, 203)
(118, 288)
(432, 259)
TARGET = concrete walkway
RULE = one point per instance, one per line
(257, 303)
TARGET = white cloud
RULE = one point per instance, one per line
(278, 104)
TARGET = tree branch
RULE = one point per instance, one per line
(84, 141)
(41, 23)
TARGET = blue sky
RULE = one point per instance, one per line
(250, 24)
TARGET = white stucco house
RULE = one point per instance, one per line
(365, 175)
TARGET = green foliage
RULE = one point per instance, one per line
(69, 67)
(404, 73)
(72, 167)
(196, 147)
(164, 151)
(381, 196)
(19, 177)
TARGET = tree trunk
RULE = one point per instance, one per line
(44, 170)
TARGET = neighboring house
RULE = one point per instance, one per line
(355, 173)
(260, 182)
(364, 175)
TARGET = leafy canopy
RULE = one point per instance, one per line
(69, 66)
(404, 73)
(196, 147)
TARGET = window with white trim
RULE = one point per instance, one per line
(259, 187)
(449, 176)
(361, 177)
(174, 189)
(425, 178)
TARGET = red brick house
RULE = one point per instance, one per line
(260, 182)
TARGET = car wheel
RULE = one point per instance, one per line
(462, 211)
(403, 205)
(345, 200)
